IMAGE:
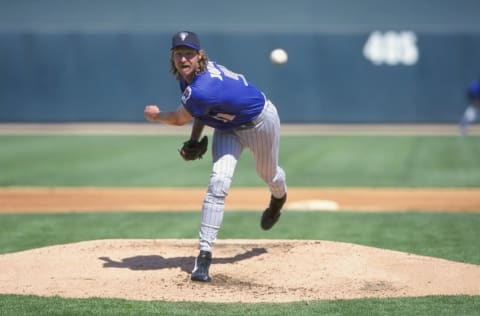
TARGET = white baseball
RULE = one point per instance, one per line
(278, 56)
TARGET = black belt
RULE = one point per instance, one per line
(254, 122)
(251, 124)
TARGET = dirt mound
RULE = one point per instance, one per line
(242, 271)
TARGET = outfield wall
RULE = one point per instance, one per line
(369, 72)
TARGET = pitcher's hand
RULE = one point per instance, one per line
(151, 112)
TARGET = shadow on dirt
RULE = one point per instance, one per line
(155, 262)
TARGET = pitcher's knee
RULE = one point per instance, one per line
(275, 178)
(218, 188)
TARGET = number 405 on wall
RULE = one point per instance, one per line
(392, 48)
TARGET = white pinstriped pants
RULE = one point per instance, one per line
(263, 142)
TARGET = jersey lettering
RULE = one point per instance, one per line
(230, 74)
(214, 72)
(217, 73)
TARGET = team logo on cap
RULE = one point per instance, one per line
(183, 35)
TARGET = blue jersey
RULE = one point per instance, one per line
(221, 98)
(474, 89)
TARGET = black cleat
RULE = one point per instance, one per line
(202, 264)
(271, 215)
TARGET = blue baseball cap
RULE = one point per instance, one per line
(186, 38)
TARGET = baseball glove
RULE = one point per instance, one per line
(193, 149)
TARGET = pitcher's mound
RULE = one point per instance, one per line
(242, 271)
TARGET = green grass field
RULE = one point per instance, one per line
(409, 161)
(413, 161)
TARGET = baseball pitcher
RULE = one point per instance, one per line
(242, 117)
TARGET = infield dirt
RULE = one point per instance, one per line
(85, 199)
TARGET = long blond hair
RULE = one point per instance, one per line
(203, 62)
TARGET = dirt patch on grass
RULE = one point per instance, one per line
(55, 199)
